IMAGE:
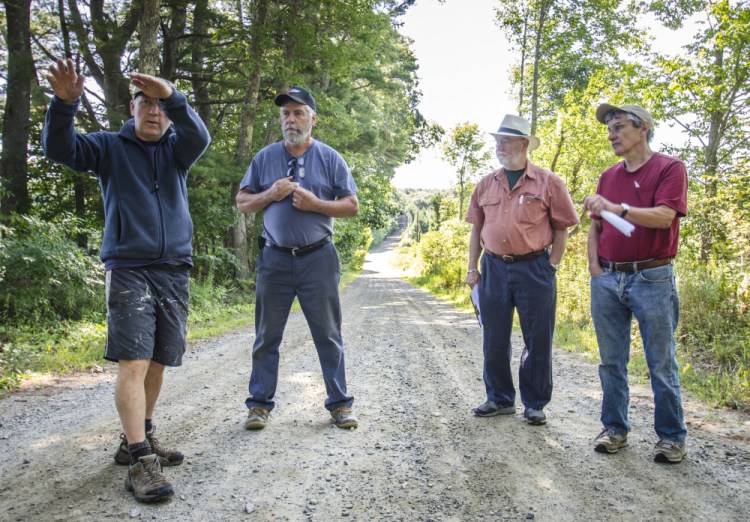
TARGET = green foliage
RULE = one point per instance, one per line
(443, 254)
(218, 266)
(45, 277)
(465, 149)
(352, 242)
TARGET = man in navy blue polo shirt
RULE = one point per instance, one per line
(301, 185)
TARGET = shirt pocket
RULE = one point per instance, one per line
(532, 208)
(491, 208)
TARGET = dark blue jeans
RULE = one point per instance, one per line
(531, 288)
(650, 296)
(314, 280)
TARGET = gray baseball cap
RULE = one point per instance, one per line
(606, 108)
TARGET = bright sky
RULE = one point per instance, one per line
(464, 61)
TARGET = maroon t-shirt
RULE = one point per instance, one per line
(662, 180)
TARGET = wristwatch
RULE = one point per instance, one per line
(556, 266)
(625, 209)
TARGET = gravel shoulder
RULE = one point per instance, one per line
(415, 368)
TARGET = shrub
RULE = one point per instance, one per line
(46, 277)
(444, 253)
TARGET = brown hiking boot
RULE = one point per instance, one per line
(167, 457)
(257, 418)
(344, 418)
(146, 480)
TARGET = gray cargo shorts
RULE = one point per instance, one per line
(147, 310)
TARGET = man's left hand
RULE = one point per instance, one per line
(151, 86)
(303, 199)
(595, 204)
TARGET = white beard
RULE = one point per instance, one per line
(508, 160)
(295, 136)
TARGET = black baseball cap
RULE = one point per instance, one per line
(297, 94)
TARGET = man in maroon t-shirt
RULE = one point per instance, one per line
(633, 275)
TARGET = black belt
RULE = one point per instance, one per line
(632, 267)
(512, 258)
(302, 250)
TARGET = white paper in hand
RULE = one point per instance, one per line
(475, 301)
(626, 227)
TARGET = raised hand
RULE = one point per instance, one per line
(151, 85)
(65, 81)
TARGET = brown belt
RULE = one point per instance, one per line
(512, 258)
(632, 267)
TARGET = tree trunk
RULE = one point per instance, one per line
(711, 157)
(243, 224)
(543, 10)
(13, 163)
(523, 57)
(558, 150)
(198, 73)
(149, 29)
(175, 41)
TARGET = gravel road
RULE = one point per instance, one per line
(414, 366)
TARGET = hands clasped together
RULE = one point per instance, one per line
(302, 199)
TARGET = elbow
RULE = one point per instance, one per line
(242, 203)
(666, 222)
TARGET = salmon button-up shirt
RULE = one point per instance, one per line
(522, 220)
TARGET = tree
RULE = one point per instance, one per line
(567, 42)
(13, 166)
(708, 95)
(465, 150)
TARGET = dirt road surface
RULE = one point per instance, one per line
(414, 366)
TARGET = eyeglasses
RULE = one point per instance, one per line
(504, 141)
(296, 165)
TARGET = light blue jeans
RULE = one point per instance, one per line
(650, 296)
(313, 279)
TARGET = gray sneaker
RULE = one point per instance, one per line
(146, 480)
(534, 417)
(669, 451)
(490, 409)
(167, 457)
(609, 441)
(257, 418)
(344, 418)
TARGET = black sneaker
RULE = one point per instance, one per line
(167, 457)
(534, 417)
(146, 480)
(490, 409)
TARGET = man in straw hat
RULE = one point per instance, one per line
(634, 276)
(520, 216)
